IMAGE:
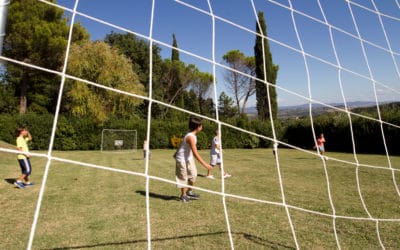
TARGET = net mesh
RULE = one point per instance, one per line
(354, 60)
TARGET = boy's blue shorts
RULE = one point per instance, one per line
(25, 165)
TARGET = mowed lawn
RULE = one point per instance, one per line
(102, 205)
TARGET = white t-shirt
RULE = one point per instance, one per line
(215, 141)
(184, 152)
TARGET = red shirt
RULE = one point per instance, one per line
(320, 141)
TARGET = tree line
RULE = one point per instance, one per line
(108, 86)
(37, 34)
(82, 134)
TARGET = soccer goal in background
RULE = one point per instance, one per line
(118, 140)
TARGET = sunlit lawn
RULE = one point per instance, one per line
(95, 207)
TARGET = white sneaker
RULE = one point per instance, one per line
(227, 175)
(210, 177)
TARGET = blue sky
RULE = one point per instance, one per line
(337, 65)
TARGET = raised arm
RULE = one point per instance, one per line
(190, 140)
(29, 136)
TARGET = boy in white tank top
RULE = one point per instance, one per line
(186, 170)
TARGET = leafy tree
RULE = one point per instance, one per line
(37, 34)
(201, 84)
(176, 76)
(226, 106)
(188, 97)
(8, 102)
(207, 107)
(265, 70)
(138, 51)
(242, 86)
(98, 62)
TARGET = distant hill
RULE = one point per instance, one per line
(302, 110)
(356, 104)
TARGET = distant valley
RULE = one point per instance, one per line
(287, 112)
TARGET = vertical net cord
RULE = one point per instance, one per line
(3, 19)
(379, 117)
(148, 217)
(222, 170)
(271, 116)
(223, 196)
(398, 74)
(303, 54)
(384, 140)
(265, 80)
(348, 116)
(306, 68)
(388, 44)
(371, 77)
(383, 135)
(53, 131)
(370, 74)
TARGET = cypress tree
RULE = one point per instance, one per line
(175, 52)
(264, 56)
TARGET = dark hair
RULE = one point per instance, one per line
(19, 130)
(194, 123)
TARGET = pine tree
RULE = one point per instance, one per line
(242, 87)
(265, 97)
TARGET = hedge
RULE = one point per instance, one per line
(82, 134)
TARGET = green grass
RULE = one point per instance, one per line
(91, 208)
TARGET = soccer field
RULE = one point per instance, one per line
(103, 205)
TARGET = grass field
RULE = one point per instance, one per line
(92, 208)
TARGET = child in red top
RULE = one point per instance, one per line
(320, 144)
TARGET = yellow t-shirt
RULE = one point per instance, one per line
(22, 143)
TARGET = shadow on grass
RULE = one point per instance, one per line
(10, 180)
(140, 158)
(255, 239)
(158, 196)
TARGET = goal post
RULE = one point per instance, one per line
(118, 140)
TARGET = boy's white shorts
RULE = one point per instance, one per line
(215, 159)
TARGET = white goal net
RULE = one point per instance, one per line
(118, 139)
(331, 53)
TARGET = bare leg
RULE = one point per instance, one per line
(191, 183)
(22, 177)
(183, 191)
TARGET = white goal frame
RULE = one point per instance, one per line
(119, 142)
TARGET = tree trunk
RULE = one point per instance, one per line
(22, 105)
(22, 96)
